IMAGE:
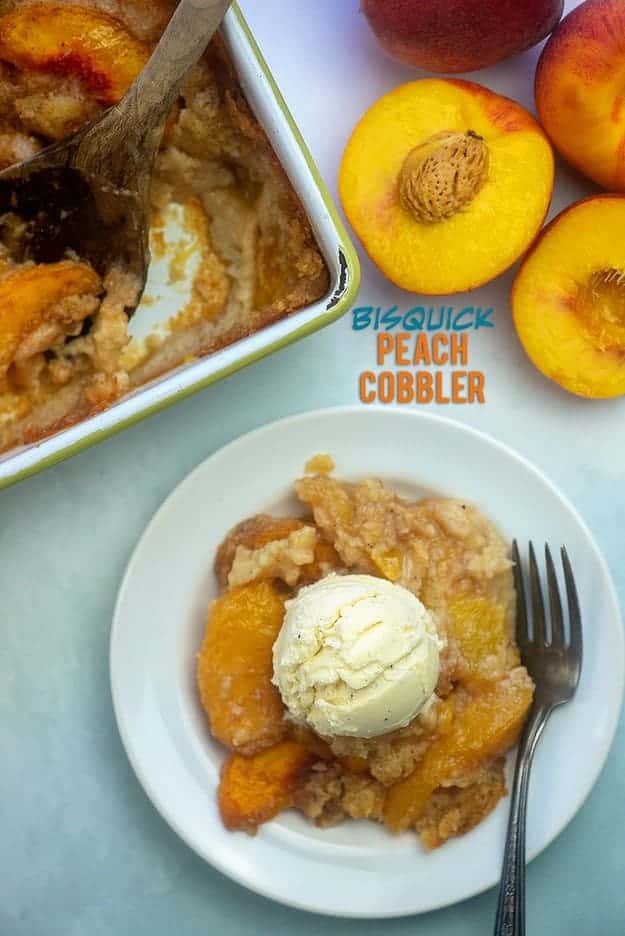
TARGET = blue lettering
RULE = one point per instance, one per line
(413, 320)
(390, 319)
(469, 311)
(483, 319)
(421, 318)
(361, 318)
(435, 326)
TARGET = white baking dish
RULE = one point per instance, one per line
(271, 111)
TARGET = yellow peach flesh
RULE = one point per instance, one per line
(569, 299)
(494, 227)
(73, 40)
(486, 727)
(30, 296)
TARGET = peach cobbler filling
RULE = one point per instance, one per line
(444, 772)
(65, 353)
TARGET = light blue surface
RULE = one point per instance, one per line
(82, 851)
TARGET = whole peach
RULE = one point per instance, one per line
(579, 91)
(459, 35)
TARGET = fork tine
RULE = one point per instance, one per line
(575, 617)
(522, 621)
(538, 607)
(555, 605)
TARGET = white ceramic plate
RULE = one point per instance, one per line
(356, 869)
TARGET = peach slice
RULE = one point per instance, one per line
(446, 184)
(454, 811)
(479, 627)
(487, 726)
(31, 298)
(480, 630)
(74, 40)
(235, 667)
(580, 94)
(255, 789)
(568, 299)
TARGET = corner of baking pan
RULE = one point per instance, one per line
(347, 263)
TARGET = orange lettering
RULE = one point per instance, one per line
(476, 387)
(385, 346)
(422, 351)
(458, 387)
(401, 349)
(440, 357)
(405, 387)
(386, 387)
(424, 387)
(440, 393)
(366, 396)
(459, 349)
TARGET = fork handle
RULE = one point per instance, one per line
(510, 920)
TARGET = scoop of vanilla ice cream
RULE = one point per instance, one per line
(356, 655)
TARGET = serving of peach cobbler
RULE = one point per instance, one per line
(65, 350)
(359, 661)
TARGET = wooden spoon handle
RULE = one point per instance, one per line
(123, 144)
(150, 99)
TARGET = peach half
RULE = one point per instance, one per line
(568, 299)
(446, 184)
(73, 40)
(580, 94)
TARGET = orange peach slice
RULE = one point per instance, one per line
(73, 40)
(486, 727)
(235, 668)
(255, 789)
(580, 91)
(568, 299)
(446, 184)
(479, 627)
(32, 297)
(481, 631)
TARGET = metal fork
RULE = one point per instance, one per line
(554, 661)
